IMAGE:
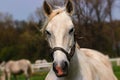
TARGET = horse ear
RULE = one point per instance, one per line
(69, 7)
(47, 8)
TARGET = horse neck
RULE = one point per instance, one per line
(78, 66)
(74, 61)
(74, 68)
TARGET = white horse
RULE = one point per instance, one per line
(2, 75)
(70, 62)
(15, 68)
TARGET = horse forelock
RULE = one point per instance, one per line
(51, 16)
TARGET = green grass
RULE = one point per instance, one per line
(41, 75)
(116, 70)
(35, 76)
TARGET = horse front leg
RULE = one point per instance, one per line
(8, 76)
(15, 77)
(2, 76)
(27, 76)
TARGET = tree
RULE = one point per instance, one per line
(115, 45)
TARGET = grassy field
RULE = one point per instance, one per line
(35, 76)
(116, 70)
(41, 75)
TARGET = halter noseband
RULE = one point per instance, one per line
(69, 55)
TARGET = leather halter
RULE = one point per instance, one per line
(69, 55)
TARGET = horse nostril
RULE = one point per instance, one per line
(54, 66)
(64, 65)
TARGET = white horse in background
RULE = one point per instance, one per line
(2, 75)
(15, 68)
(70, 62)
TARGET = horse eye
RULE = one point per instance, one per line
(47, 32)
(71, 31)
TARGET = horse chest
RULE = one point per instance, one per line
(15, 70)
(74, 76)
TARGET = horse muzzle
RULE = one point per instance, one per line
(61, 70)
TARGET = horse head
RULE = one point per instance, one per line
(59, 30)
(2, 65)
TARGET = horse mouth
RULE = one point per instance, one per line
(61, 75)
(60, 72)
